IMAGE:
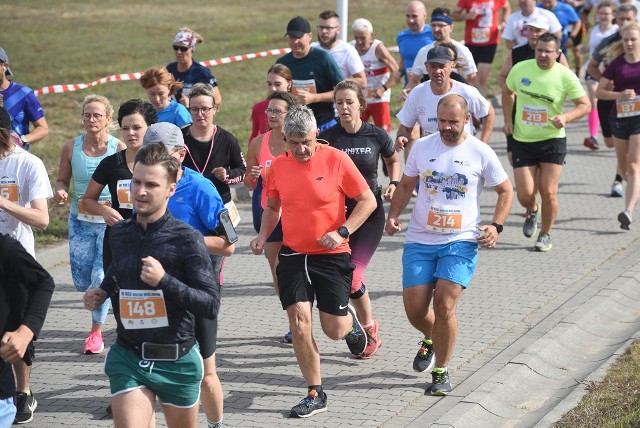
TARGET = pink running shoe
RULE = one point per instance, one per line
(373, 341)
(93, 344)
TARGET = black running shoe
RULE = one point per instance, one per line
(440, 384)
(310, 405)
(425, 358)
(26, 405)
(357, 338)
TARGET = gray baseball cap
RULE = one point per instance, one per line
(166, 133)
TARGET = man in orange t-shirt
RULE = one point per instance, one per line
(309, 184)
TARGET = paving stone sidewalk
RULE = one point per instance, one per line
(532, 327)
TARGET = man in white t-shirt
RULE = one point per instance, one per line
(345, 55)
(441, 244)
(420, 106)
(24, 190)
(442, 26)
(515, 30)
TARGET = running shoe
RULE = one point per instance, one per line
(425, 359)
(543, 243)
(25, 404)
(440, 384)
(288, 337)
(625, 220)
(93, 344)
(591, 142)
(310, 405)
(373, 341)
(357, 338)
(530, 225)
(617, 191)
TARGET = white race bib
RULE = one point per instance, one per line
(84, 215)
(628, 108)
(534, 116)
(444, 219)
(124, 194)
(143, 309)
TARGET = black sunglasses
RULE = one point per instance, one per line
(180, 48)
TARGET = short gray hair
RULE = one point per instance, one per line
(362, 24)
(299, 121)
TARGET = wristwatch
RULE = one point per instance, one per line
(24, 139)
(343, 231)
(394, 182)
(498, 227)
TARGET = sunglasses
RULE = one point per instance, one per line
(180, 48)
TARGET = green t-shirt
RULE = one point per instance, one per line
(541, 95)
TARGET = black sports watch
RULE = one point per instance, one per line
(394, 182)
(343, 231)
(498, 227)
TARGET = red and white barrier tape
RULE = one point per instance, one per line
(57, 89)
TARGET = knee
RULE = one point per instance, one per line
(210, 380)
(633, 167)
(416, 314)
(333, 332)
(444, 310)
(299, 323)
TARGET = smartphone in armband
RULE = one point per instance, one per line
(227, 227)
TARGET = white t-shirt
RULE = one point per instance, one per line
(346, 56)
(596, 36)
(447, 208)
(516, 26)
(422, 104)
(23, 178)
(465, 59)
(376, 71)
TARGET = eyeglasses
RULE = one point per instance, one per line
(180, 48)
(275, 112)
(203, 110)
(96, 116)
(325, 28)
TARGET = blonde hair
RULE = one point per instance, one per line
(617, 48)
(108, 108)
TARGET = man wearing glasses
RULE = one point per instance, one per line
(315, 73)
(345, 55)
(539, 138)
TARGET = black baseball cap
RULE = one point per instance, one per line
(298, 27)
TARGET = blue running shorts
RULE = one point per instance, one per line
(425, 264)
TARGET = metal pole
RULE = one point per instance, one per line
(342, 7)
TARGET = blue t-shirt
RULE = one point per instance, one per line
(197, 73)
(196, 202)
(22, 105)
(175, 113)
(567, 16)
(410, 43)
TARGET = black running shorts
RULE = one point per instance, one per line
(323, 277)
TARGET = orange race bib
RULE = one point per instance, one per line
(124, 194)
(305, 85)
(534, 116)
(84, 215)
(628, 108)
(143, 309)
(9, 189)
(480, 35)
(234, 215)
(444, 220)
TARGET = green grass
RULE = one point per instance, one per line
(73, 41)
(614, 402)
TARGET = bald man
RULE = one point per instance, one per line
(442, 240)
